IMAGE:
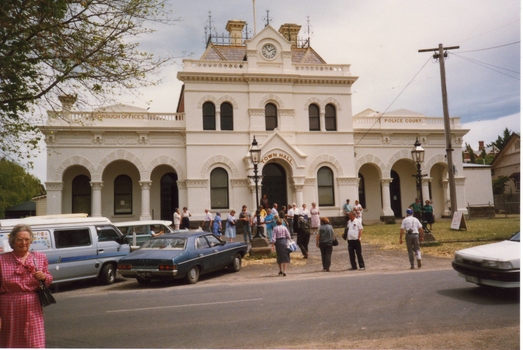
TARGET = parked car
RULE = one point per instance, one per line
(144, 230)
(495, 264)
(186, 254)
(77, 247)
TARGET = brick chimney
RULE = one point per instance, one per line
(481, 145)
(235, 27)
(290, 32)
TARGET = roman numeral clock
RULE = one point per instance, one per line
(268, 51)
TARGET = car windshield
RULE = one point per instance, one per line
(515, 238)
(164, 243)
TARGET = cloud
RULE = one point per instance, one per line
(489, 130)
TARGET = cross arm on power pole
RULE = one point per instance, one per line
(437, 48)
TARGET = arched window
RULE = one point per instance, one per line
(226, 121)
(81, 195)
(325, 187)
(123, 195)
(271, 117)
(219, 189)
(314, 118)
(330, 118)
(209, 116)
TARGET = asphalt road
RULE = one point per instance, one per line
(429, 308)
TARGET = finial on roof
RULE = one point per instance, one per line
(210, 28)
(267, 19)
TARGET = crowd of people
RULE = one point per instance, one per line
(279, 225)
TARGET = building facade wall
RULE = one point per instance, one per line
(362, 153)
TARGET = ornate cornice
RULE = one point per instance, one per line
(240, 182)
(54, 186)
(199, 183)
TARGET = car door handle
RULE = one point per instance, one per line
(201, 255)
(215, 250)
(100, 250)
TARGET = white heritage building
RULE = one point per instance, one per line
(125, 163)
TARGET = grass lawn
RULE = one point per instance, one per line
(479, 231)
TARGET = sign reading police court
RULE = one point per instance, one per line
(277, 155)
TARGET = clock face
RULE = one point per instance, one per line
(268, 51)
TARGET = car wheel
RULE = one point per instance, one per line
(193, 275)
(236, 263)
(108, 274)
(143, 281)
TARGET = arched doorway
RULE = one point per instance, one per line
(81, 201)
(274, 184)
(395, 194)
(168, 196)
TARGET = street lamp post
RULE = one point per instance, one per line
(418, 156)
(255, 152)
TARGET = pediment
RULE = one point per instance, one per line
(265, 35)
(276, 147)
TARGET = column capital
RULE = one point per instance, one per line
(97, 185)
(386, 181)
(146, 185)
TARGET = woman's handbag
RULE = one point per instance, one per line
(335, 241)
(44, 294)
(291, 245)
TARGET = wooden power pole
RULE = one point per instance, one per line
(448, 140)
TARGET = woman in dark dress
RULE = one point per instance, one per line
(324, 242)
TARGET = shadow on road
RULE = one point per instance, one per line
(484, 295)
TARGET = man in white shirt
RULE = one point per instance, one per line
(274, 210)
(206, 226)
(414, 236)
(355, 229)
(305, 212)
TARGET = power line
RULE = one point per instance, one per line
(490, 31)
(390, 105)
(489, 66)
(491, 48)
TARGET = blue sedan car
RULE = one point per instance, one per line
(181, 255)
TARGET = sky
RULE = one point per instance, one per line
(380, 39)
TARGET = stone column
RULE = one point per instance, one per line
(96, 198)
(298, 189)
(425, 188)
(54, 197)
(387, 215)
(446, 212)
(460, 195)
(146, 200)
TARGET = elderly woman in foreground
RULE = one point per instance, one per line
(280, 235)
(20, 274)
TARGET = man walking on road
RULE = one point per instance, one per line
(414, 236)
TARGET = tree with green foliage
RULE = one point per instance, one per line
(68, 47)
(498, 185)
(16, 185)
(501, 140)
(470, 152)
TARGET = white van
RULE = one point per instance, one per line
(76, 247)
(139, 232)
